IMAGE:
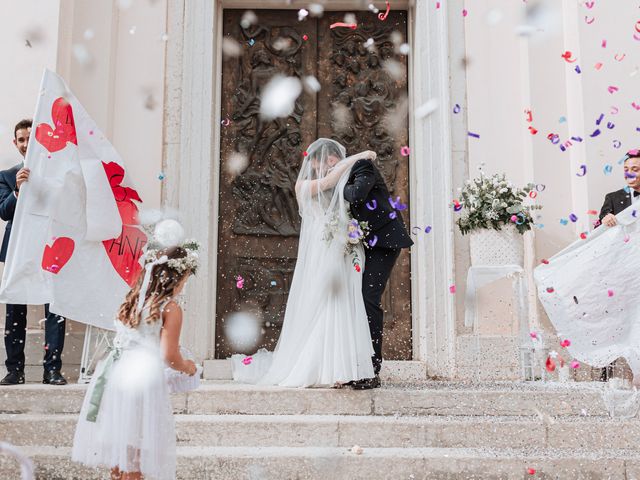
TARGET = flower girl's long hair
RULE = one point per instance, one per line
(164, 280)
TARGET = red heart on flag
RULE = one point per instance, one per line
(55, 139)
(57, 255)
(125, 251)
(124, 196)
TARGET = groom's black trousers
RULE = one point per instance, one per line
(377, 269)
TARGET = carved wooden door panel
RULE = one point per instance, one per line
(258, 221)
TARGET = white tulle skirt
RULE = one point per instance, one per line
(134, 429)
(325, 336)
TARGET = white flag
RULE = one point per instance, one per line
(75, 242)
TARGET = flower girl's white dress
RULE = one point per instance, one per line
(131, 425)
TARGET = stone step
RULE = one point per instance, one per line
(346, 431)
(213, 463)
(428, 398)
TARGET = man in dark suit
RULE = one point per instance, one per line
(370, 201)
(616, 202)
(15, 328)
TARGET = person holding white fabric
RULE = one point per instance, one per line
(325, 339)
(126, 421)
(616, 202)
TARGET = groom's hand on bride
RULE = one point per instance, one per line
(370, 154)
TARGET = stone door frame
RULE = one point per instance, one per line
(191, 150)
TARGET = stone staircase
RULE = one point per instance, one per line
(432, 430)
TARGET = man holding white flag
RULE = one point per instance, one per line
(15, 328)
(76, 243)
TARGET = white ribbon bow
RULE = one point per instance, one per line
(147, 278)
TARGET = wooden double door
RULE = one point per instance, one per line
(359, 104)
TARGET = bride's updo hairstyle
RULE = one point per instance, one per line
(165, 277)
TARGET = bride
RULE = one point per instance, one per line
(325, 339)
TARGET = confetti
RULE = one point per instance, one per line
(372, 205)
(456, 109)
(397, 204)
(565, 343)
(598, 66)
(588, 20)
(251, 42)
(564, 221)
(302, 14)
(621, 57)
(595, 133)
(575, 364)
(562, 119)
(541, 187)
(225, 123)
(612, 89)
(413, 230)
(573, 217)
(533, 194)
(405, 151)
(583, 235)
(610, 293)
(617, 144)
(427, 229)
(427, 109)
(608, 168)
(373, 241)
(279, 97)
(583, 169)
(635, 105)
(567, 57)
(577, 69)
(247, 360)
(592, 212)
(239, 282)
(550, 365)
(357, 267)
(533, 130)
(531, 471)
(534, 335)
(465, 12)
(600, 118)
(452, 289)
(611, 125)
(474, 135)
(550, 290)
(352, 26)
(383, 16)
(456, 206)
(161, 176)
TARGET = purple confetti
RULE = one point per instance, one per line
(578, 69)
(596, 133)
(583, 169)
(393, 215)
(576, 139)
(397, 204)
(474, 135)
(600, 118)
(610, 125)
(373, 205)
(573, 217)
(373, 241)
(456, 109)
(428, 229)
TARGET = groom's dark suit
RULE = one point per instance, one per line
(369, 198)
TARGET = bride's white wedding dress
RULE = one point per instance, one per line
(325, 336)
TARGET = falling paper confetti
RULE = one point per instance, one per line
(279, 96)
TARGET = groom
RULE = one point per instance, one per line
(371, 202)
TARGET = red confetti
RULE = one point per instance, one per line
(357, 267)
(550, 290)
(567, 56)
(304, 154)
(550, 365)
(565, 343)
(545, 261)
(531, 471)
(305, 37)
(452, 289)
(583, 235)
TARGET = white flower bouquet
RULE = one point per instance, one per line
(493, 203)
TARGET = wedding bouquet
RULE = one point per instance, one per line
(356, 233)
(493, 202)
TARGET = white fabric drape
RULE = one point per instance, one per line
(590, 293)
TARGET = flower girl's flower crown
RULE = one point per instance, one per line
(190, 262)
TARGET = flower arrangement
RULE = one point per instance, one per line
(356, 233)
(493, 202)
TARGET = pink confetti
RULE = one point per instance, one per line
(247, 360)
(437, 5)
(239, 282)
(405, 151)
(550, 365)
(635, 105)
(534, 335)
(604, 43)
(598, 66)
(610, 293)
(621, 57)
(589, 21)
(452, 289)
(352, 26)
(464, 12)
(567, 56)
(565, 343)
(575, 364)
(550, 290)
(589, 5)
(612, 89)
(383, 16)
(531, 471)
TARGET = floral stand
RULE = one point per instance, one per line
(497, 254)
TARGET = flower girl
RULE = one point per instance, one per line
(126, 422)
